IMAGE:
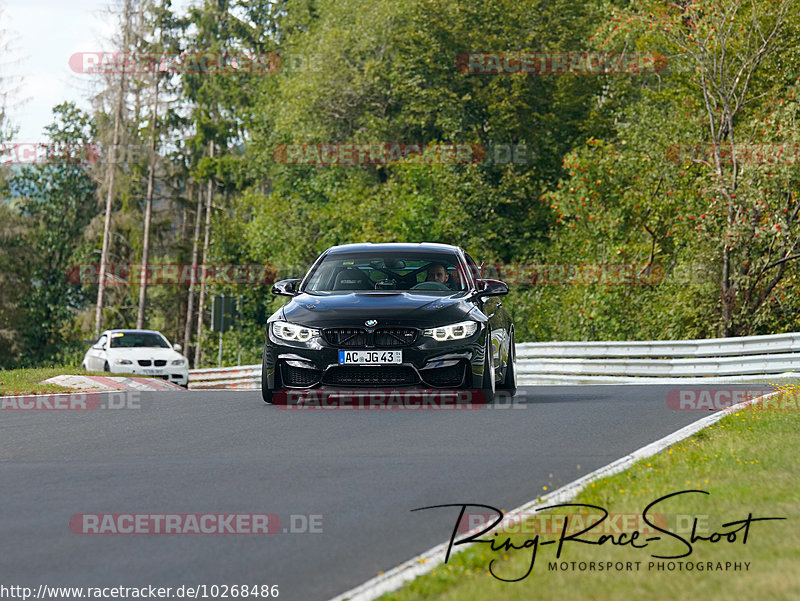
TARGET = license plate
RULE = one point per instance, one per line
(370, 357)
(153, 372)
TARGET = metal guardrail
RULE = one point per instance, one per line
(680, 368)
(709, 347)
(711, 360)
(708, 360)
(242, 377)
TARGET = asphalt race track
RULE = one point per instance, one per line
(226, 452)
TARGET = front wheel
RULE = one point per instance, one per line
(488, 374)
(106, 367)
(509, 385)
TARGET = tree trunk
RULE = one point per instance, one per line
(187, 332)
(209, 196)
(111, 175)
(147, 212)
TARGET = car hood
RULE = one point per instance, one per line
(388, 308)
(144, 352)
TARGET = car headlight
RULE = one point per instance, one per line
(456, 331)
(123, 362)
(293, 332)
(179, 362)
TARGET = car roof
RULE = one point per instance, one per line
(135, 331)
(394, 246)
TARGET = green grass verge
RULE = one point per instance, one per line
(28, 381)
(746, 461)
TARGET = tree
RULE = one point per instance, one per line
(111, 169)
(221, 104)
(55, 202)
(737, 57)
(162, 19)
(678, 182)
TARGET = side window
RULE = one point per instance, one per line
(473, 267)
(101, 342)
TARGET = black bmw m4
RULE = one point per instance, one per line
(390, 316)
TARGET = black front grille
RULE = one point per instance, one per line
(159, 362)
(144, 362)
(444, 376)
(386, 337)
(346, 337)
(300, 376)
(384, 375)
(360, 338)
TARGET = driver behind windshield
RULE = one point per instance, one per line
(437, 273)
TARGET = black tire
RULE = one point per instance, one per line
(266, 392)
(106, 367)
(509, 385)
(489, 384)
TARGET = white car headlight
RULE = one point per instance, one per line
(123, 362)
(291, 331)
(179, 362)
(456, 331)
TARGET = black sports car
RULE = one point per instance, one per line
(388, 316)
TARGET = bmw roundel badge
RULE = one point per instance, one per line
(371, 322)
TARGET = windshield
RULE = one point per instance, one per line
(422, 272)
(137, 339)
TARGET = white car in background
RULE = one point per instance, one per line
(138, 352)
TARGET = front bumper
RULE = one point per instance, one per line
(426, 364)
(178, 374)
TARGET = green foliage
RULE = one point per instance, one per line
(53, 203)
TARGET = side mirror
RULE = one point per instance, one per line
(286, 287)
(491, 288)
(177, 347)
